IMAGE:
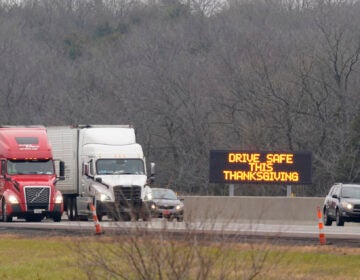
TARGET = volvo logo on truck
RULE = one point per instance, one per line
(37, 195)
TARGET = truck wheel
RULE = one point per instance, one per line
(146, 217)
(145, 213)
(115, 215)
(134, 215)
(99, 212)
(57, 217)
(70, 215)
(126, 217)
(5, 217)
(71, 209)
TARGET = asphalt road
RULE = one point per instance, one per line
(240, 231)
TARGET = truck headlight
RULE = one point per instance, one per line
(58, 199)
(13, 199)
(104, 197)
(346, 205)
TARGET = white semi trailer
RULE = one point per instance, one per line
(105, 166)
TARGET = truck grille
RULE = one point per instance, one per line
(127, 196)
(127, 193)
(37, 197)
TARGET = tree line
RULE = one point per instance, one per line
(192, 76)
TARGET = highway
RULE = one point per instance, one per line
(239, 231)
(286, 220)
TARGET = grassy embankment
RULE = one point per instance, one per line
(58, 258)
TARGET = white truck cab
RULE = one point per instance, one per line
(106, 167)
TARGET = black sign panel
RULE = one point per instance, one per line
(237, 167)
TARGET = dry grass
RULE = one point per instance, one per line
(146, 257)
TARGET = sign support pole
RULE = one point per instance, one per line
(288, 190)
(231, 190)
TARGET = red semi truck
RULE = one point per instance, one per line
(27, 176)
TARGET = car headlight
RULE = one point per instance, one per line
(346, 205)
(104, 197)
(59, 199)
(13, 199)
(179, 207)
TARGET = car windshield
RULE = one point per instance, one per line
(30, 167)
(350, 192)
(119, 166)
(164, 194)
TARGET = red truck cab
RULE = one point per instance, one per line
(27, 176)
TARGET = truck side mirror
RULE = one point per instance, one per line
(61, 170)
(152, 168)
(86, 169)
(3, 170)
(151, 178)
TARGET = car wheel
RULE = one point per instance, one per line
(339, 219)
(327, 220)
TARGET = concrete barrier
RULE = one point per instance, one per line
(256, 209)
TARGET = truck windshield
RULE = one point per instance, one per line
(30, 167)
(119, 166)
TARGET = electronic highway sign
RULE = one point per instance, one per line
(237, 167)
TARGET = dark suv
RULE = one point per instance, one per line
(342, 204)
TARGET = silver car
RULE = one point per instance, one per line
(342, 204)
(164, 203)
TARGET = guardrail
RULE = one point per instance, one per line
(257, 209)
